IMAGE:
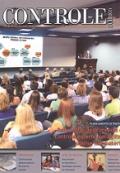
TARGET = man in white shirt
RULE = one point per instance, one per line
(26, 97)
(98, 86)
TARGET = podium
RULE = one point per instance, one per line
(89, 62)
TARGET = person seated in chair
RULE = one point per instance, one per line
(66, 116)
(53, 95)
(81, 91)
(34, 87)
(70, 90)
(34, 102)
(5, 109)
(113, 107)
(24, 124)
(62, 94)
(95, 103)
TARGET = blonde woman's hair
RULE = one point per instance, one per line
(81, 89)
(4, 101)
(5, 79)
(25, 120)
(96, 102)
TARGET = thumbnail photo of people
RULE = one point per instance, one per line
(96, 161)
(7, 162)
(50, 162)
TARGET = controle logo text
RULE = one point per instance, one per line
(57, 16)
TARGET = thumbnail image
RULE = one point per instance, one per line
(50, 162)
(7, 162)
(96, 161)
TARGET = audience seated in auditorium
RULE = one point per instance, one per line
(11, 93)
(55, 73)
(82, 73)
(36, 79)
(24, 124)
(47, 85)
(98, 86)
(81, 96)
(18, 89)
(91, 70)
(76, 84)
(95, 77)
(77, 73)
(113, 73)
(90, 82)
(26, 84)
(70, 71)
(5, 109)
(96, 109)
(13, 100)
(47, 75)
(20, 74)
(117, 77)
(66, 116)
(53, 92)
(70, 90)
(110, 81)
(101, 73)
(30, 74)
(113, 107)
(34, 102)
(63, 72)
(62, 94)
(34, 87)
(5, 80)
(104, 87)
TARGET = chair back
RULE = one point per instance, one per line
(35, 142)
(4, 122)
(64, 139)
(81, 109)
(41, 116)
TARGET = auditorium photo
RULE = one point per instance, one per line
(60, 76)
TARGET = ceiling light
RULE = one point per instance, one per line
(93, 35)
(24, 33)
(53, 35)
(26, 30)
(117, 34)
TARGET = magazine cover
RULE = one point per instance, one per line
(60, 86)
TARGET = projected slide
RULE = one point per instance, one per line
(21, 51)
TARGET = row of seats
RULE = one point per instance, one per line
(63, 139)
(69, 76)
(45, 139)
(41, 116)
(58, 80)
